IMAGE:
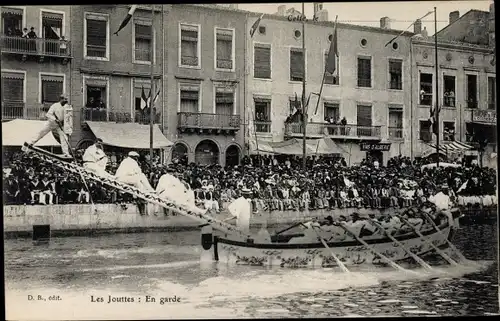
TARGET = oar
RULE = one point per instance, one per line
(371, 248)
(288, 228)
(426, 240)
(337, 260)
(410, 253)
(457, 252)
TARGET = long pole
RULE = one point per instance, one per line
(153, 93)
(163, 75)
(304, 111)
(436, 110)
(245, 108)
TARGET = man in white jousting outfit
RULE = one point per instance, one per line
(130, 173)
(57, 122)
(173, 189)
(95, 160)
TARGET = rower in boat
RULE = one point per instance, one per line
(130, 173)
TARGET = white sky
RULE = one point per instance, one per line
(402, 13)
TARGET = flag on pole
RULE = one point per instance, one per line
(156, 96)
(144, 99)
(333, 53)
(432, 120)
(127, 18)
(255, 25)
(393, 39)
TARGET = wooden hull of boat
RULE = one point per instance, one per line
(314, 255)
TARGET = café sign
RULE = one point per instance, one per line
(484, 116)
(368, 147)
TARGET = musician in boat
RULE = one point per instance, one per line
(129, 172)
(95, 160)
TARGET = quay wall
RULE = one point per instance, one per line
(81, 219)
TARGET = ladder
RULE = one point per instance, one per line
(194, 213)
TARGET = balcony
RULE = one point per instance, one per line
(224, 63)
(37, 48)
(262, 126)
(395, 133)
(208, 123)
(17, 109)
(104, 115)
(349, 131)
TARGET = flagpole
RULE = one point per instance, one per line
(152, 96)
(437, 109)
(304, 111)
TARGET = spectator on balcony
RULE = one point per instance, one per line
(63, 46)
(343, 123)
(32, 39)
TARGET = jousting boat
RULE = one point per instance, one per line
(287, 250)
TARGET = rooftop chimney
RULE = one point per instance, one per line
(454, 15)
(385, 23)
(282, 10)
(322, 15)
(417, 27)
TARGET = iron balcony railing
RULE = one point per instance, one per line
(18, 110)
(395, 133)
(449, 101)
(208, 121)
(40, 47)
(322, 129)
(104, 115)
(224, 63)
(262, 126)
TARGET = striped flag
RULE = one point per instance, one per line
(127, 18)
(333, 53)
(144, 99)
(255, 25)
(393, 39)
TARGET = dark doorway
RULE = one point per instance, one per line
(232, 155)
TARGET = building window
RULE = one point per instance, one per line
(143, 37)
(190, 99)
(395, 123)
(52, 88)
(332, 79)
(364, 120)
(492, 92)
(96, 40)
(96, 96)
(12, 95)
(425, 131)
(331, 112)
(425, 89)
(448, 131)
(297, 72)
(262, 115)
(262, 61)
(142, 101)
(224, 101)
(471, 91)
(396, 74)
(189, 46)
(224, 48)
(364, 72)
(12, 21)
(449, 91)
(52, 29)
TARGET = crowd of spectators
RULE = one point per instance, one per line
(273, 183)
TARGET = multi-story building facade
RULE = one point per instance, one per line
(205, 86)
(112, 71)
(466, 87)
(370, 89)
(36, 59)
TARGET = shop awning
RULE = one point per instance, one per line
(128, 135)
(449, 148)
(18, 131)
(323, 146)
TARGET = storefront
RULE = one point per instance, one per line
(482, 133)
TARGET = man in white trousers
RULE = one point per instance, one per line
(129, 172)
(95, 160)
(55, 122)
(173, 189)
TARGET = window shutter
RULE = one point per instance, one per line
(189, 95)
(143, 32)
(296, 64)
(52, 88)
(224, 98)
(262, 64)
(395, 67)
(12, 89)
(364, 117)
(96, 32)
(189, 35)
